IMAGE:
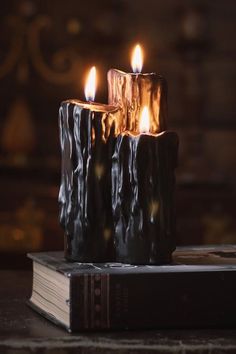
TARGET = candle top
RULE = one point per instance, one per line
(93, 106)
(121, 72)
(136, 135)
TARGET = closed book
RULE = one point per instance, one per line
(197, 290)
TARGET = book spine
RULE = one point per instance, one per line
(126, 301)
(90, 301)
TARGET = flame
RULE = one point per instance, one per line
(144, 124)
(137, 59)
(90, 86)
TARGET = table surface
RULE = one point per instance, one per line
(24, 331)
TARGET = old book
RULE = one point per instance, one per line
(197, 290)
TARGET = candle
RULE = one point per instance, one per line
(143, 184)
(132, 91)
(87, 131)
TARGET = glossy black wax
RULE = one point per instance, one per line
(87, 139)
(131, 92)
(143, 183)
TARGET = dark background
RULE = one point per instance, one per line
(45, 49)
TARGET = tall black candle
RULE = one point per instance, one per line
(87, 132)
(143, 183)
(131, 92)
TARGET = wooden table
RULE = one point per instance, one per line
(23, 331)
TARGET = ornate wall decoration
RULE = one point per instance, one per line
(25, 49)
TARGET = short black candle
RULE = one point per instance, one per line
(87, 132)
(143, 182)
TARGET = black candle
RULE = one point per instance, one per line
(132, 91)
(87, 132)
(143, 184)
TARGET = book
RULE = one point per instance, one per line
(197, 290)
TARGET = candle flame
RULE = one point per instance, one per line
(137, 59)
(144, 125)
(90, 86)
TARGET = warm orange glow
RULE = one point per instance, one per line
(137, 59)
(144, 125)
(90, 86)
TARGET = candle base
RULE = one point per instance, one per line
(93, 252)
(137, 252)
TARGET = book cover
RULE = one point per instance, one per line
(197, 290)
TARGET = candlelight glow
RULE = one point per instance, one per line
(137, 59)
(90, 86)
(144, 125)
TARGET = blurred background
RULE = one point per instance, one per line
(45, 49)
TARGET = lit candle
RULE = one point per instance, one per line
(144, 125)
(137, 59)
(143, 184)
(87, 131)
(132, 91)
(90, 85)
